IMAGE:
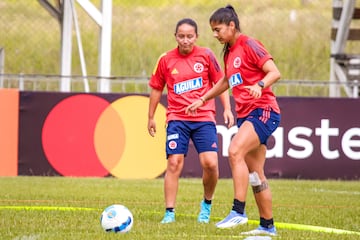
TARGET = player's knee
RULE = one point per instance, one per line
(210, 166)
(174, 165)
(235, 155)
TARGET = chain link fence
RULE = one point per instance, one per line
(33, 82)
(296, 32)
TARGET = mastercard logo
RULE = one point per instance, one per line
(85, 135)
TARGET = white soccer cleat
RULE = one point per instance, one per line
(261, 231)
(232, 220)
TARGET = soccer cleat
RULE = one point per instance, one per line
(205, 210)
(232, 220)
(262, 231)
(169, 217)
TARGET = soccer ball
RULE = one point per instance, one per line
(116, 218)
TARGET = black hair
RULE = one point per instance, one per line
(226, 15)
(187, 21)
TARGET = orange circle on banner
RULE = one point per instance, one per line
(84, 135)
(109, 126)
(143, 156)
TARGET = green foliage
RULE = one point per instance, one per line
(331, 204)
(142, 30)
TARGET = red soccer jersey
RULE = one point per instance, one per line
(187, 79)
(243, 67)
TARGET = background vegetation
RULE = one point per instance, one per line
(32, 208)
(296, 32)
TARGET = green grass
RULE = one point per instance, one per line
(330, 204)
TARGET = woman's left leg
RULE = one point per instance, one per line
(255, 161)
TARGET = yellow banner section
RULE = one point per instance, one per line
(9, 127)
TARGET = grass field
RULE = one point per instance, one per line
(33, 208)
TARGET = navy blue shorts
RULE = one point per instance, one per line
(179, 133)
(265, 122)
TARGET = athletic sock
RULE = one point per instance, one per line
(170, 209)
(207, 201)
(238, 206)
(266, 223)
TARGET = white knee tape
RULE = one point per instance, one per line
(254, 179)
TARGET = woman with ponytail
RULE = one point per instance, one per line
(250, 72)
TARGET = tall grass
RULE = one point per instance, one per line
(142, 30)
(69, 208)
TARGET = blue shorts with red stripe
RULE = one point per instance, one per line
(265, 122)
(179, 133)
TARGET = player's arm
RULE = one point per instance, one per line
(272, 76)
(225, 101)
(157, 83)
(272, 73)
(218, 89)
(155, 96)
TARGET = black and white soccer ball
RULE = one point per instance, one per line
(117, 218)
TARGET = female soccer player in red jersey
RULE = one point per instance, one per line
(249, 72)
(188, 71)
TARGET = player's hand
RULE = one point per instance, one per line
(151, 127)
(228, 118)
(254, 90)
(191, 109)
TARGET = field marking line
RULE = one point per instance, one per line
(312, 228)
(297, 226)
(280, 225)
(48, 208)
(335, 192)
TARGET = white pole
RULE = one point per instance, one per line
(81, 52)
(90, 9)
(105, 46)
(356, 89)
(66, 40)
(334, 89)
(104, 20)
(2, 66)
(21, 82)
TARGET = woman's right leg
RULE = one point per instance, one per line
(174, 167)
(175, 164)
(244, 141)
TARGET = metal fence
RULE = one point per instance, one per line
(300, 88)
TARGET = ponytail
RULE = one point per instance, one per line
(226, 15)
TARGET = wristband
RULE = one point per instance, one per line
(203, 100)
